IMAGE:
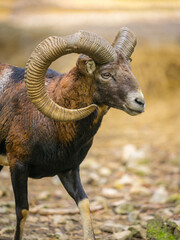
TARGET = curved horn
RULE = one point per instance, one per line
(48, 51)
(125, 42)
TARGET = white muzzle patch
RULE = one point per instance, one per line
(135, 103)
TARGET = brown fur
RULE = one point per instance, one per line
(73, 92)
(19, 116)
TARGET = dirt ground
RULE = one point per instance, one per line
(132, 171)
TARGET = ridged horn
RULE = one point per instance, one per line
(125, 42)
(48, 51)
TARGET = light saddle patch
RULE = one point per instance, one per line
(5, 78)
(3, 160)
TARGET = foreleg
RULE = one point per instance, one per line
(72, 183)
(19, 177)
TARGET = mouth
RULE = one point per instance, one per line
(125, 108)
(132, 112)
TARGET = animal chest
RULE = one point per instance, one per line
(52, 155)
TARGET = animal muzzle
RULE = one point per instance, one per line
(135, 103)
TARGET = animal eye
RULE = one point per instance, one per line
(106, 75)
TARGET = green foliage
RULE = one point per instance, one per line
(158, 230)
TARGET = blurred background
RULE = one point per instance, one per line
(133, 168)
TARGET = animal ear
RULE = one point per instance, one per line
(86, 65)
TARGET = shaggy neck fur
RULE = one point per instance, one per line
(73, 91)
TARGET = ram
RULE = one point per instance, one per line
(48, 120)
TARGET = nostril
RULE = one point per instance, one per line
(140, 101)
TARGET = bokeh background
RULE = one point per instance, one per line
(132, 171)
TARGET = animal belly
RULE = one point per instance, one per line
(3, 160)
(37, 172)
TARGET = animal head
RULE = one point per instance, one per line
(115, 84)
(108, 66)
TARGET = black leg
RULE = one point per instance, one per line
(19, 178)
(1, 167)
(72, 183)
